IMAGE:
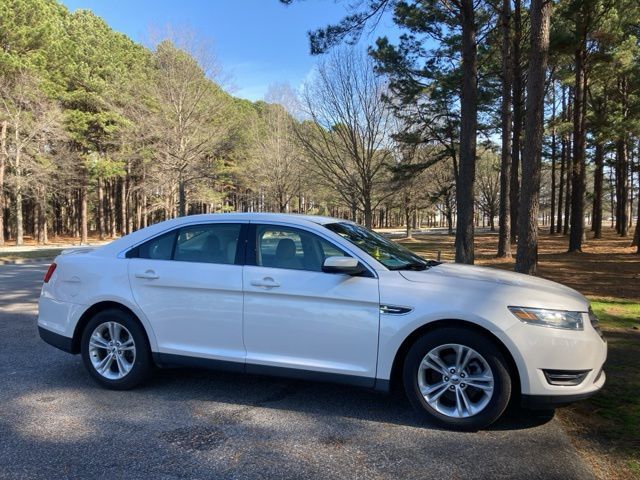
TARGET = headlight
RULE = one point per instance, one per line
(549, 318)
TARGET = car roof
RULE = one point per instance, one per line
(140, 235)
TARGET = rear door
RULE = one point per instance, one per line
(300, 318)
(188, 282)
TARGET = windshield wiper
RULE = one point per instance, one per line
(417, 266)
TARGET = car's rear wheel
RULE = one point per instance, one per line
(115, 350)
(458, 377)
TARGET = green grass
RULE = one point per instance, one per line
(612, 417)
(634, 467)
(41, 253)
(617, 313)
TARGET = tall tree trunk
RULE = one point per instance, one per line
(468, 130)
(127, 185)
(407, 219)
(631, 188)
(622, 187)
(145, 216)
(145, 213)
(527, 253)
(84, 233)
(368, 209)
(636, 236)
(354, 210)
(598, 178)
(182, 197)
(111, 193)
(504, 220)
(41, 216)
(18, 197)
(578, 161)
(563, 167)
(100, 209)
(552, 227)
(123, 206)
(4, 155)
(517, 118)
(567, 196)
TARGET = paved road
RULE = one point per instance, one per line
(56, 423)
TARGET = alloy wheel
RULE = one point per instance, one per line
(455, 380)
(112, 350)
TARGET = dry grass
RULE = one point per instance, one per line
(607, 267)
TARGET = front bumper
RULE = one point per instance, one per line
(543, 402)
(537, 349)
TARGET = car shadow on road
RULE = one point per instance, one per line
(315, 398)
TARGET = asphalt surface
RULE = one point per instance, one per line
(55, 422)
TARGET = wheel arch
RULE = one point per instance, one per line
(99, 307)
(398, 361)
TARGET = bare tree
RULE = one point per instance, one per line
(348, 141)
(410, 174)
(30, 115)
(441, 184)
(275, 162)
(488, 181)
(190, 118)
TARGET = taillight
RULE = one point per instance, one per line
(47, 276)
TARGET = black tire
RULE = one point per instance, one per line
(484, 346)
(142, 364)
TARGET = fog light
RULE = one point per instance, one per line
(565, 378)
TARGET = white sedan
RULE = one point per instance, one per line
(323, 299)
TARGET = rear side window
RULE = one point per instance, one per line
(212, 243)
(159, 248)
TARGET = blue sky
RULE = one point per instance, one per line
(258, 42)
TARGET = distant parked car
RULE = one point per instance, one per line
(323, 299)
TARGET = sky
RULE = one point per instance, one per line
(257, 42)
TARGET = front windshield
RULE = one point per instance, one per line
(390, 254)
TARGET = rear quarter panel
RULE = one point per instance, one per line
(82, 280)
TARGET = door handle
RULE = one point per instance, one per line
(266, 282)
(148, 275)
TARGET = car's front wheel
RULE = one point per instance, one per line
(458, 377)
(115, 350)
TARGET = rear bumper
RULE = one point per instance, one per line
(57, 340)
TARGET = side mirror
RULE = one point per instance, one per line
(345, 265)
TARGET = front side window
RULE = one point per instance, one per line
(390, 254)
(292, 248)
(210, 243)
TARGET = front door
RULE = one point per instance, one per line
(300, 318)
(188, 283)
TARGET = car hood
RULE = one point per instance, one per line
(526, 285)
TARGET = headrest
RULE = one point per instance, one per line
(286, 249)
